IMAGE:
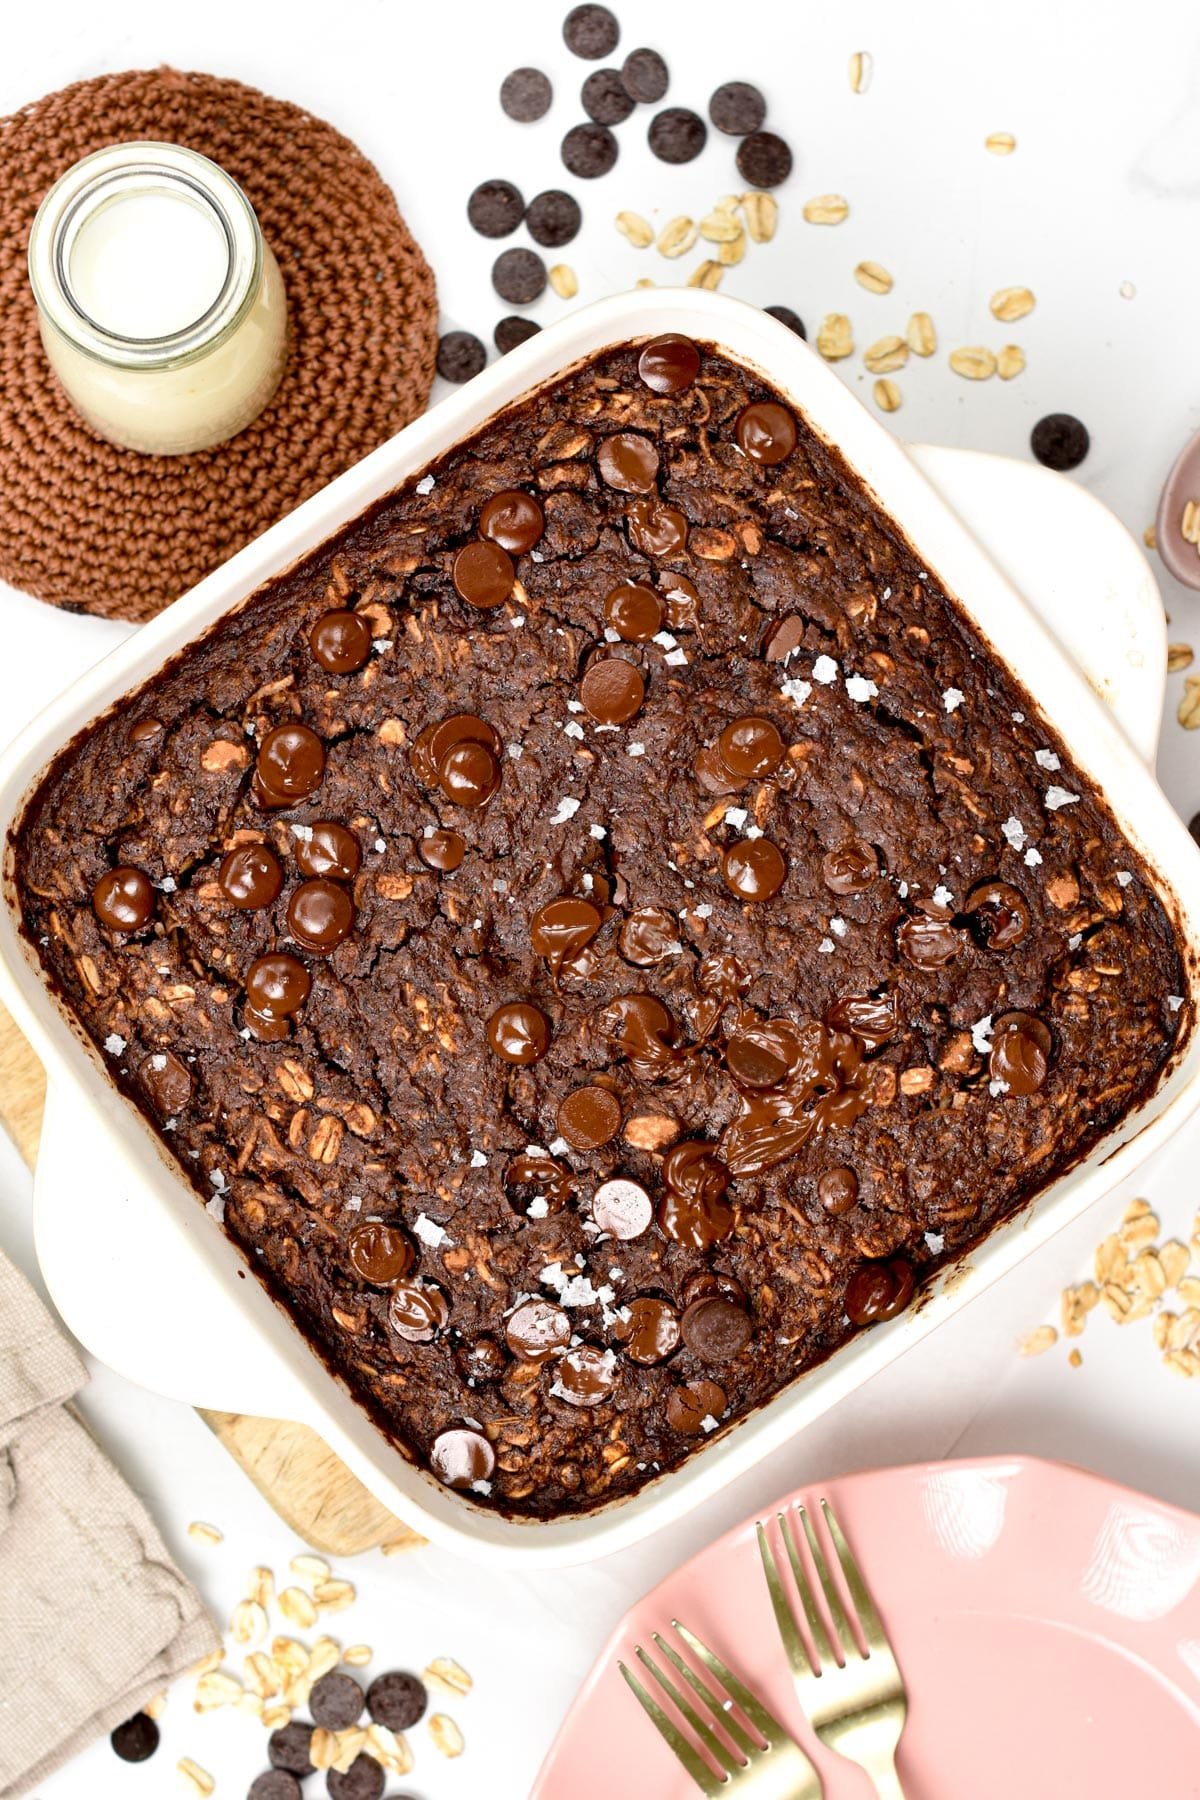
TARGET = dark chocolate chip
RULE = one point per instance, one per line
(737, 107)
(519, 276)
(553, 218)
(462, 1458)
(716, 1329)
(764, 160)
(837, 1190)
(690, 1408)
(525, 95)
(274, 1784)
(1194, 827)
(513, 330)
(644, 74)
(787, 317)
(336, 1701)
(677, 135)
(363, 1780)
(589, 151)
(123, 899)
(397, 1700)
(1060, 441)
(341, 641)
(591, 32)
(879, 1290)
(496, 208)
(136, 1739)
(459, 356)
(604, 97)
(288, 1748)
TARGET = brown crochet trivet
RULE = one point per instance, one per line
(103, 530)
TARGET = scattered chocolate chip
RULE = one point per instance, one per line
(879, 1290)
(837, 1190)
(460, 355)
(341, 642)
(623, 1208)
(513, 519)
(496, 208)
(787, 317)
(591, 32)
(442, 850)
(605, 98)
(751, 747)
(764, 160)
(274, 1784)
(766, 432)
(737, 108)
(329, 849)
(483, 574)
(513, 330)
(519, 276)
(612, 690)
(628, 461)
(634, 612)
(1194, 827)
(379, 1253)
(649, 1332)
(397, 1700)
(525, 95)
(589, 1117)
(677, 135)
(336, 1701)
(754, 869)
(320, 915)
(1020, 1053)
(644, 74)
(123, 899)
(716, 1329)
(669, 364)
(363, 1780)
(703, 1282)
(417, 1310)
(288, 1748)
(537, 1331)
(688, 1408)
(1060, 441)
(589, 151)
(461, 1457)
(554, 218)
(519, 1032)
(136, 1739)
(586, 1376)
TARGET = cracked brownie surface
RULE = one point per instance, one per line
(601, 930)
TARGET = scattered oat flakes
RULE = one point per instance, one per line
(677, 236)
(310, 1568)
(1150, 538)
(334, 1596)
(887, 396)
(563, 280)
(1036, 1342)
(216, 1689)
(357, 1656)
(261, 1586)
(826, 209)
(445, 1673)
(1179, 656)
(249, 1623)
(886, 354)
(706, 275)
(298, 1608)
(761, 213)
(639, 231)
(874, 277)
(445, 1734)
(973, 362)
(920, 336)
(397, 1546)
(1010, 361)
(719, 227)
(1189, 522)
(154, 1709)
(1011, 303)
(201, 1533)
(732, 251)
(861, 70)
(276, 1716)
(1000, 143)
(835, 338)
(390, 1749)
(1075, 1358)
(199, 1780)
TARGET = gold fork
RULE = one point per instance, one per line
(856, 1704)
(769, 1767)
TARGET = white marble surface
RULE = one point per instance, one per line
(1102, 191)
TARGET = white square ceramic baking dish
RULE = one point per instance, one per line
(153, 1285)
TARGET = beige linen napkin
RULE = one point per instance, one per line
(94, 1618)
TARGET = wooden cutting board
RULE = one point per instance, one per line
(295, 1470)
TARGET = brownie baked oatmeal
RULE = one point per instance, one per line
(600, 931)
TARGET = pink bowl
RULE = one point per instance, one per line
(1047, 1623)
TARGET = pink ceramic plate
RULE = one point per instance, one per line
(1047, 1623)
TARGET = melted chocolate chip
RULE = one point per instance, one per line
(712, 774)
(380, 1253)
(459, 1458)
(754, 869)
(655, 530)
(586, 1376)
(320, 915)
(435, 743)
(250, 877)
(123, 899)
(1020, 1053)
(291, 763)
(650, 1332)
(669, 364)
(483, 574)
(928, 942)
(537, 1331)
(146, 731)
(167, 1083)
(702, 1283)
(612, 690)
(766, 432)
(640, 1027)
(879, 1290)
(277, 986)
(560, 929)
(589, 1117)
(535, 1175)
(649, 936)
(519, 1032)
(1000, 913)
(442, 850)
(761, 1053)
(837, 1190)
(417, 1310)
(850, 868)
(481, 1360)
(688, 1408)
(329, 850)
(623, 1208)
(628, 461)
(634, 612)
(469, 774)
(693, 1209)
(751, 747)
(513, 519)
(341, 642)
(715, 1329)
(525, 95)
